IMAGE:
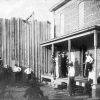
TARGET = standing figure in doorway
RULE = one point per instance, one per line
(58, 65)
(88, 63)
(63, 64)
(67, 65)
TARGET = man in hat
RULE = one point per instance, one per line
(16, 70)
(71, 75)
(28, 71)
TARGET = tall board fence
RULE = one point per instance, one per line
(20, 42)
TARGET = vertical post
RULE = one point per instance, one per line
(54, 26)
(94, 87)
(46, 59)
(42, 68)
(52, 49)
(95, 56)
(69, 49)
(4, 41)
(43, 59)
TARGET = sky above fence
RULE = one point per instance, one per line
(23, 8)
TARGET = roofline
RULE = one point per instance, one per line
(58, 5)
(57, 40)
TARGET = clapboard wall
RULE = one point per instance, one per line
(20, 42)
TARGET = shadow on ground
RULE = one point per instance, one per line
(22, 90)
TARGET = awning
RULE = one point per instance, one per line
(76, 34)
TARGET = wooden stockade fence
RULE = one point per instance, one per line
(20, 42)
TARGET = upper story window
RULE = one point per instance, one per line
(62, 23)
(81, 15)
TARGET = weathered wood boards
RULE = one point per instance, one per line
(20, 41)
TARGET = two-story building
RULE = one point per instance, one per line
(76, 30)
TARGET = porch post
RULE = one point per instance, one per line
(95, 57)
(43, 59)
(69, 49)
(42, 69)
(95, 87)
(52, 49)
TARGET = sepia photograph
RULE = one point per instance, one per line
(49, 49)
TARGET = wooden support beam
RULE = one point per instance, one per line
(52, 49)
(33, 45)
(95, 56)
(69, 49)
(4, 41)
(1, 33)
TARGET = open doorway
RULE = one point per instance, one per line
(61, 56)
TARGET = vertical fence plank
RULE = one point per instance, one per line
(1, 29)
(4, 41)
(7, 41)
(21, 42)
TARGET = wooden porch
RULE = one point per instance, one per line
(55, 82)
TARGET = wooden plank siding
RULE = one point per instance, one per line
(20, 42)
(1, 38)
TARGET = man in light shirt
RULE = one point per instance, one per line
(16, 70)
(71, 75)
(28, 71)
(88, 63)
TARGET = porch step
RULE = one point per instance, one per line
(47, 77)
(55, 83)
(60, 82)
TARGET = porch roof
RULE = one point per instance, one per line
(76, 34)
(59, 4)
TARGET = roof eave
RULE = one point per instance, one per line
(95, 27)
(58, 5)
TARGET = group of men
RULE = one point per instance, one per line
(59, 65)
(88, 72)
(17, 71)
(68, 68)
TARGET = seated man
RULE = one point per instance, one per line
(28, 71)
(16, 69)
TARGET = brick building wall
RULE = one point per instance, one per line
(71, 16)
(70, 11)
(92, 12)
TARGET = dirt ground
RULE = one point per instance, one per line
(32, 90)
